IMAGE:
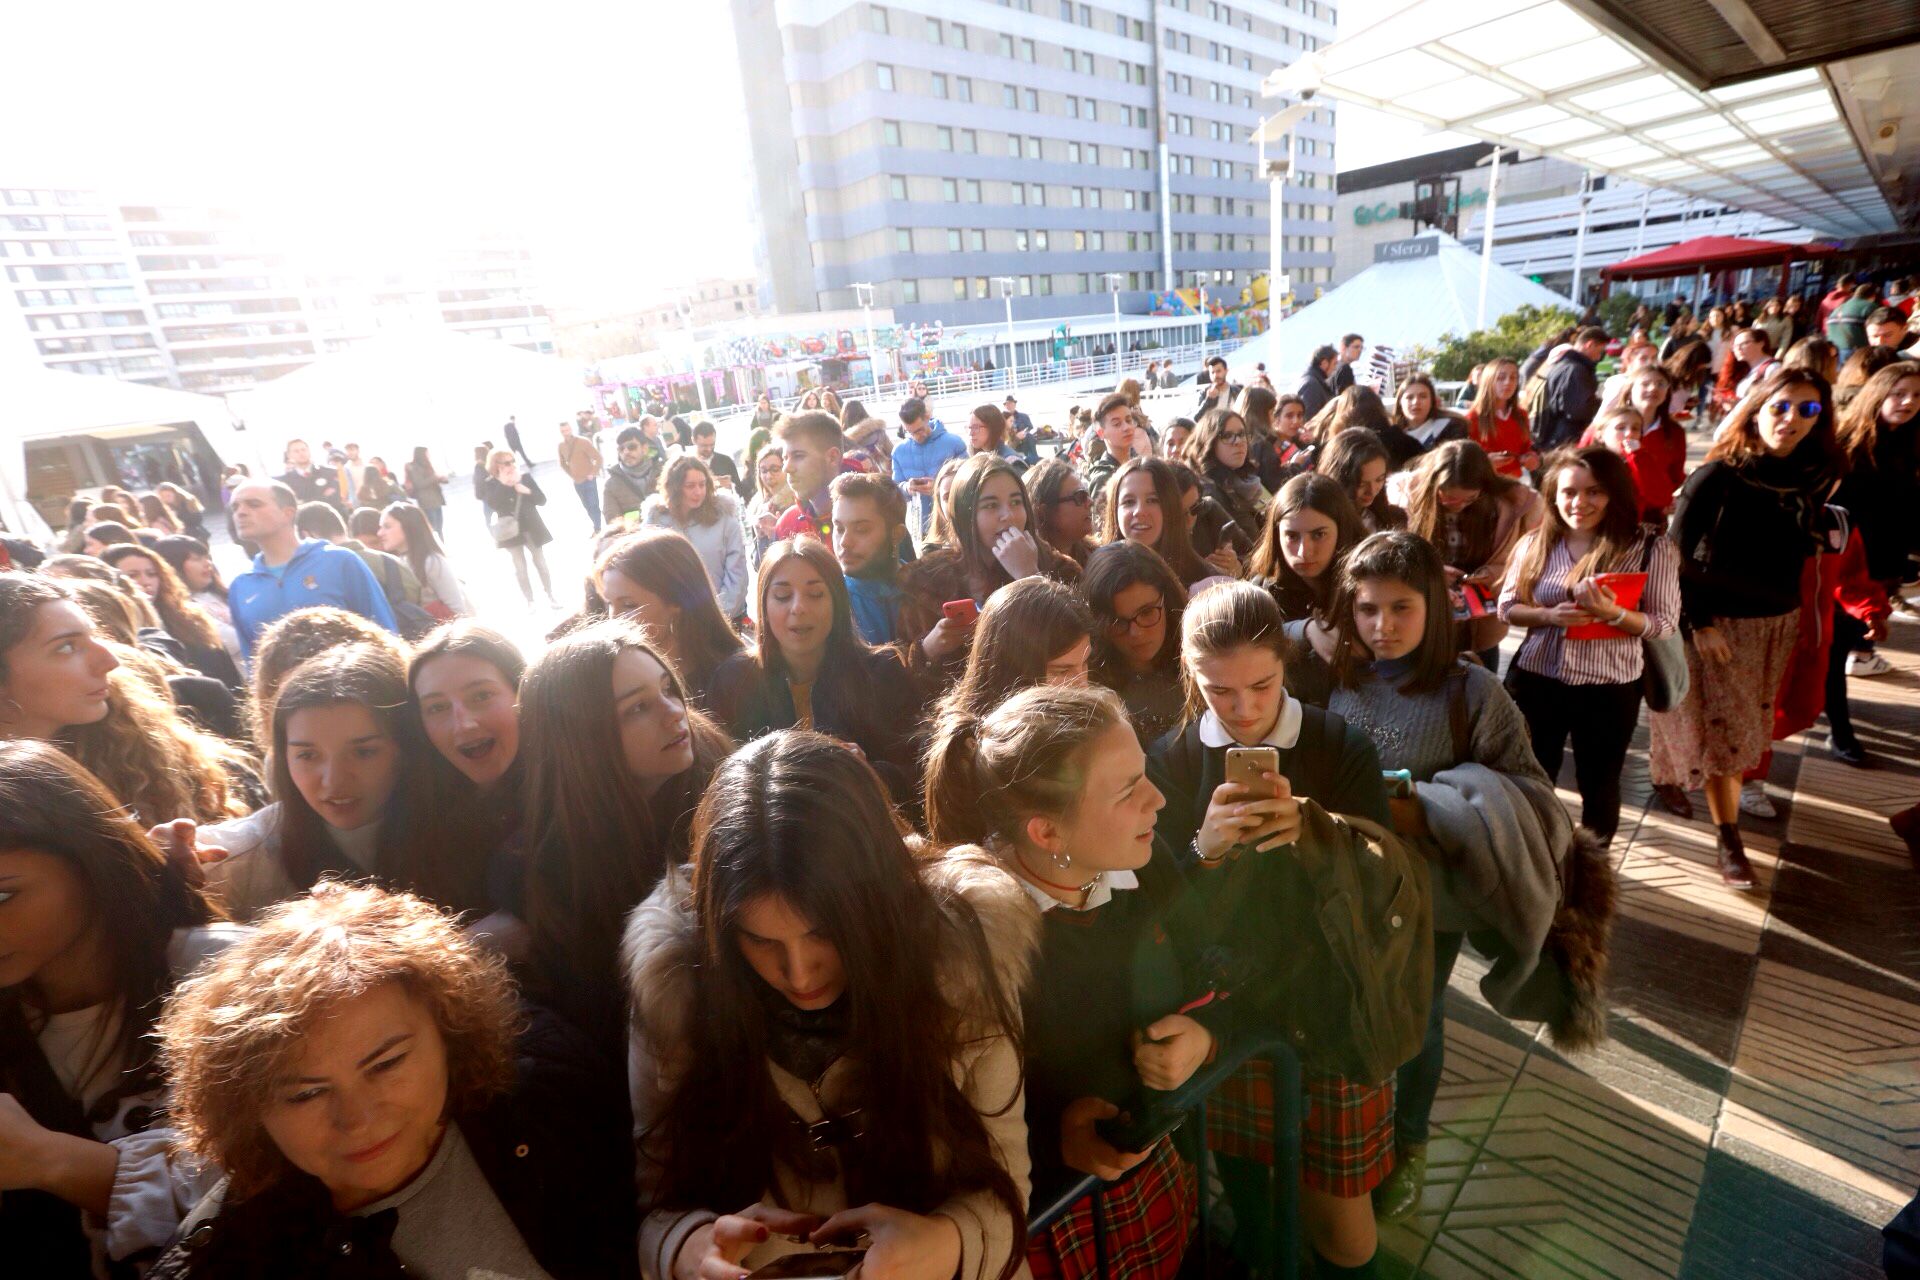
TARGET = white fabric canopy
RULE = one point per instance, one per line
(1395, 305)
(447, 391)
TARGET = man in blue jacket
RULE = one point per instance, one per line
(290, 572)
(918, 460)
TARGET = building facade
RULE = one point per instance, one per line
(1537, 226)
(953, 152)
(204, 300)
(656, 321)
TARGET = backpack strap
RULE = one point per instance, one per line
(1457, 721)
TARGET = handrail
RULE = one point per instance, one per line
(1282, 1245)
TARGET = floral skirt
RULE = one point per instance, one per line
(1148, 1219)
(1726, 722)
(1346, 1139)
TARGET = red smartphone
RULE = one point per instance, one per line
(962, 613)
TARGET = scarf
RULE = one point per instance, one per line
(804, 1042)
(1798, 482)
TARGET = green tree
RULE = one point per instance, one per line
(1513, 335)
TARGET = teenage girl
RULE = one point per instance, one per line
(1143, 507)
(1137, 602)
(1311, 525)
(1357, 462)
(656, 578)
(1473, 516)
(1498, 423)
(1033, 631)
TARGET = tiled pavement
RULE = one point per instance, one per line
(1756, 1112)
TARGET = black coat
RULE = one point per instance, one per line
(1572, 398)
(505, 500)
(557, 1149)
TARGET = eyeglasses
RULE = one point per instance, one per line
(1146, 619)
(1807, 408)
(1078, 498)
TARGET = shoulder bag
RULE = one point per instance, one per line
(1665, 681)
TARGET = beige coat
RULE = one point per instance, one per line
(579, 459)
(659, 946)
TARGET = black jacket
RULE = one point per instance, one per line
(1743, 542)
(1314, 391)
(1572, 398)
(1403, 448)
(504, 500)
(557, 1149)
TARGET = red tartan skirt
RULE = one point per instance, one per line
(1346, 1141)
(1149, 1218)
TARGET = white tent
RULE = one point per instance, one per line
(39, 404)
(1394, 304)
(447, 391)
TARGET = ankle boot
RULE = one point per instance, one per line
(1735, 871)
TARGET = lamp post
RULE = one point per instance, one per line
(1486, 236)
(864, 292)
(693, 355)
(1114, 280)
(1277, 129)
(1006, 284)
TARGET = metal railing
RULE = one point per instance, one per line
(1282, 1260)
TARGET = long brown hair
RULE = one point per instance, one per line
(1406, 558)
(1485, 411)
(984, 573)
(597, 844)
(184, 620)
(1616, 541)
(1457, 464)
(665, 563)
(1176, 542)
(796, 816)
(996, 425)
(1343, 458)
(674, 475)
(1112, 569)
(1025, 625)
(421, 540)
(1307, 492)
(1737, 443)
(1859, 432)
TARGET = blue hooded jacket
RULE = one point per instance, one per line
(913, 460)
(318, 574)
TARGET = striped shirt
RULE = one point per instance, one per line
(1616, 660)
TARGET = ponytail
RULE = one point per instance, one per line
(952, 781)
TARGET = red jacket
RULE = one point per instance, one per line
(1831, 579)
(1510, 435)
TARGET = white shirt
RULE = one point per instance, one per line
(1098, 896)
(1285, 733)
(1427, 430)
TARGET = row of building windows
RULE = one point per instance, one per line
(87, 320)
(54, 222)
(1084, 15)
(82, 271)
(58, 248)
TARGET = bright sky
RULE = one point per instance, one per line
(1366, 137)
(610, 132)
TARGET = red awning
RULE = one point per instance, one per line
(1711, 253)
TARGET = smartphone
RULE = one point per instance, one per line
(819, 1265)
(962, 613)
(1399, 783)
(1247, 765)
(1131, 1134)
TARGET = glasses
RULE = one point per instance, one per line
(1078, 498)
(1786, 408)
(1146, 619)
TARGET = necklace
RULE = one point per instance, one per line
(1086, 888)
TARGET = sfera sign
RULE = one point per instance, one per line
(1407, 250)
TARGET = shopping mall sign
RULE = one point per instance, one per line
(1406, 250)
(1367, 214)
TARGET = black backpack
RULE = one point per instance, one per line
(413, 621)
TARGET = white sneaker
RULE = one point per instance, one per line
(1754, 801)
(1867, 664)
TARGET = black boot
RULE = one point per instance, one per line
(1735, 871)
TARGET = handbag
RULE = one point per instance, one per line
(1665, 682)
(504, 529)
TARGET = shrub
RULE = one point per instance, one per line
(1513, 335)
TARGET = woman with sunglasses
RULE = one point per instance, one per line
(1137, 601)
(1063, 509)
(1745, 522)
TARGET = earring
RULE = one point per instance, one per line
(1061, 860)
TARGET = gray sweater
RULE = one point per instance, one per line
(1412, 732)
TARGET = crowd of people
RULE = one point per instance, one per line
(895, 816)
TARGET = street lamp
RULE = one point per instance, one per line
(1006, 284)
(693, 355)
(1278, 129)
(1114, 280)
(864, 292)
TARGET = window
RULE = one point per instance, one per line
(1120, 25)
(1097, 240)
(877, 19)
(943, 138)
(949, 190)
(973, 191)
(1093, 154)
(1033, 149)
(1026, 286)
(1013, 146)
(1039, 194)
(1026, 51)
(1019, 193)
(1073, 149)
(1066, 10)
(890, 133)
(1079, 240)
(1076, 197)
(1006, 46)
(1020, 242)
(953, 241)
(959, 288)
(959, 36)
(964, 89)
(979, 286)
(909, 291)
(883, 75)
(969, 141)
(1071, 59)
(1040, 241)
(1046, 286)
(897, 187)
(902, 240)
(1009, 97)
(933, 30)
(977, 241)
(1093, 197)
(1073, 108)
(939, 85)
(1032, 100)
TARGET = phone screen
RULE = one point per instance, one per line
(820, 1265)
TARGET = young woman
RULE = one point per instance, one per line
(1399, 679)
(1234, 659)
(1745, 523)
(772, 496)
(800, 1073)
(465, 682)
(1357, 406)
(513, 504)
(425, 484)
(1357, 462)
(378, 488)
(95, 927)
(987, 433)
(184, 620)
(345, 769)
(1137, 602)
(155, 515)
(616, 761)
(1498, 423)
(1567, 681)
(692, 505)
(188, 515)
(1221, 455)
(1052, 787)
(994, 542)
(1310, 527)
(382, 1107)
(58, 684)
(656, 578)
(1034, 631)
(1816, 354)
(406, 532)
(1473, 516)
(1173, 444)
(1268, 450)
(1143, 507)
(1691, 372)
(1659, 463)
(305, 633)
(1214, 535)
(192, 561)
(809, 669)
(1063, 508)
(1419, 423)
(940, 529)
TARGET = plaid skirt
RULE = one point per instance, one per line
(1346, 1140)
(1148, 1216)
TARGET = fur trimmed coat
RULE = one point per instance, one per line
(661, 952)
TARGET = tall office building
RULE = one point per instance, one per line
(933, 147)
(205, 300)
